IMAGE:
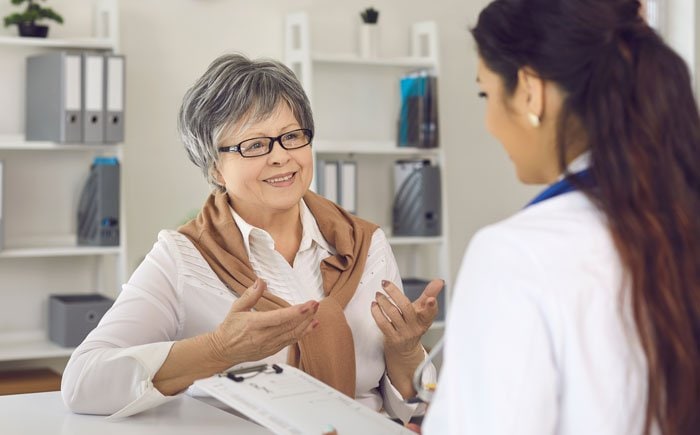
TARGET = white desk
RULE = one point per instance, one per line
(45, 413)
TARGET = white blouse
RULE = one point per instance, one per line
(174, 294)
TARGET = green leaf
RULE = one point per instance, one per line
(33, 13)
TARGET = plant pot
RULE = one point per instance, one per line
(33, 30)
(369, 40)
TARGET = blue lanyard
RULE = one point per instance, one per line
(563, 186)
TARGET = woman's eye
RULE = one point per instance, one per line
(291, 136)
(482, 95)
(254, 146)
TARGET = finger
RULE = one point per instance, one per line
(292, 333)
(382, 322)
(250, 297)
(414, 427)
(400, 300)
(426, 315)
(390, 311)
(433, 289)
(286, 316)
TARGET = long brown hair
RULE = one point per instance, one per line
(632, 94)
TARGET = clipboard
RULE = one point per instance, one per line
(288, 401)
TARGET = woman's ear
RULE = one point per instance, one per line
(216, 176)
(532, 86)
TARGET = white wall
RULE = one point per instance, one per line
(168, 44)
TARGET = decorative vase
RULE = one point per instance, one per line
(33, 30)
(369, 40)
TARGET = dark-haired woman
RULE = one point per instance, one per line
(580, 314)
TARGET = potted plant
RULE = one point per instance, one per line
(26, 21)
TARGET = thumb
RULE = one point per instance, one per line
(432, 290)
(249, 297)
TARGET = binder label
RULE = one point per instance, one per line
(72, 83)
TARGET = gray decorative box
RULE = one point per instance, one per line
(72, 317)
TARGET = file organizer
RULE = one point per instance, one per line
(93, 97)
(98, 209)
(114, 98)
(54, 98)
(417, 204)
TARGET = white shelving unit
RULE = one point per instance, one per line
(41, 187)
(356, 102)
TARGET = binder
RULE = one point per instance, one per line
(114, 98)
(328, 174)
(418, 115)
(2, 222)
(93, 89)
(330, 180)
(290, 402)
(348, 186)
(54, 98)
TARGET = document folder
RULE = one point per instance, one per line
(54, 98)
(114, 98)
(2, 226)
(330, 180)
(348, 186)
(288, 401)
(93, 89)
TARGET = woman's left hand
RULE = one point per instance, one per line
(403, 323)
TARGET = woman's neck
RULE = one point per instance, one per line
(284, 227)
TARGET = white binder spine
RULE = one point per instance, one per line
(2, 221)
(93, 89)
(72, 98)
(114, 98)
(348, 186)
(330, 180)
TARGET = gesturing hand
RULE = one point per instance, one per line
(403, 323)
(247, 335)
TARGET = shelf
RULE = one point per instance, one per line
(353, 59)
(18, 143)
(369, 147)
(77, 43)
(59, 251)
(30, 345)
(415, 240)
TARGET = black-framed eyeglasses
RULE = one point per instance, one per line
(259, 146)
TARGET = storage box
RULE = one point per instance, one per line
(72, 317)
(413, 288)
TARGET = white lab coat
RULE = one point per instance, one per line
(539, 338)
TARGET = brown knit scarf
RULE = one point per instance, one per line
(328, 352)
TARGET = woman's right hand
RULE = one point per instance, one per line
(246, 335)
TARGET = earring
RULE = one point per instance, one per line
(534, 119)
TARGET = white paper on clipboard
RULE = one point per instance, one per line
(295, 403)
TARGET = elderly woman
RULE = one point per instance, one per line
(267, 271)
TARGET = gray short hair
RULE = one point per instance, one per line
(235, 89)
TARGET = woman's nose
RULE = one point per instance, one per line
(278, 156)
